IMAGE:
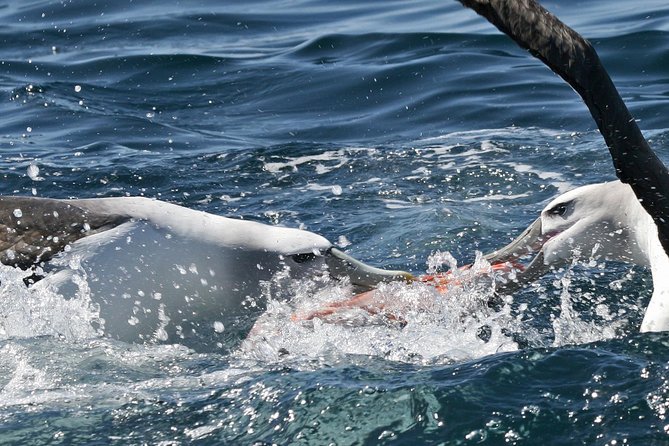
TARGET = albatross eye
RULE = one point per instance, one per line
(303, 258)
(559, 209)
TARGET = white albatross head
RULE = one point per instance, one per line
(602, 220)
(598, 220)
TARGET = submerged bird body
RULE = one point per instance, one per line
(161, 272)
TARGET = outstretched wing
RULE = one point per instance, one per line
(573, 58)
(32, 230)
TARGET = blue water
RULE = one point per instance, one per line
(395, 129)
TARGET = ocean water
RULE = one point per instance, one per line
(411, 134)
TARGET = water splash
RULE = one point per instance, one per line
(438, 259)
(459, 324)
(38, 310)
(416, 323)
(569, 327)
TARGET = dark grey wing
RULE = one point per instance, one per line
(32, 230)
(575, 60)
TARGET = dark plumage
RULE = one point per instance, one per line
(572, 57)
(32, 230)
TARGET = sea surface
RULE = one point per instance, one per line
(412, 134)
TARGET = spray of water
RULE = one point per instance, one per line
(39, 311)
(414, 321)
(404, 321)
(417, 323)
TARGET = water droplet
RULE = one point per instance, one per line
(343, 242)
(18, 213)
(219, 327)
(161, 334)
(33, 171)
(336, 190)
(77, 88)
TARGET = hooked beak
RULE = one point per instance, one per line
(361, 274)
(531, 241)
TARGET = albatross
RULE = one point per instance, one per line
(603, 220)
(626, 220)
(157, 271)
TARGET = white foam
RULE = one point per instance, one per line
(397, 204)
(497, 197)
(433, 326)
(418, 324)
(558, 179)
(294, 163)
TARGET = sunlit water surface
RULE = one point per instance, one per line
(413, 136)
